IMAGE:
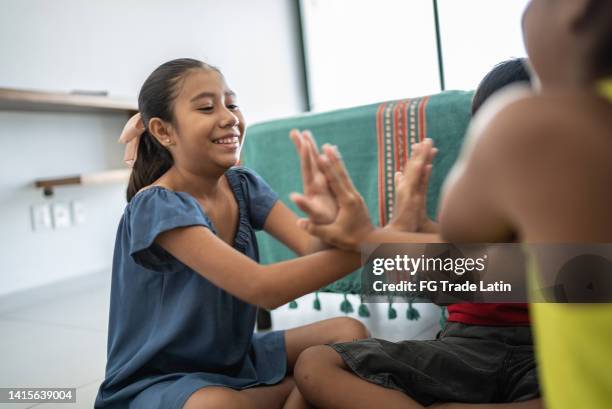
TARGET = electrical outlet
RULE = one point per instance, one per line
(41, 217)
(61, 215)
(78, 212)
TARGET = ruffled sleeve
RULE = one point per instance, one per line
(153, 212)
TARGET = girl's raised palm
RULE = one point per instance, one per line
(317, 201)
(352, 224)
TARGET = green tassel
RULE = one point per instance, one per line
(346, 306)
(317, 303)
(293, 305)
(391, 313)
(442, 317)
(412, 313)
(364, 311)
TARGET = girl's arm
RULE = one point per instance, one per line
(281, 224)
(267, 286)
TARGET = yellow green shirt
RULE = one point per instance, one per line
(574, 347)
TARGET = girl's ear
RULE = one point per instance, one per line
(162, 131)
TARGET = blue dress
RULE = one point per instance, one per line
(171, 331)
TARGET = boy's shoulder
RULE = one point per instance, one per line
(558, 114)
(528, 122)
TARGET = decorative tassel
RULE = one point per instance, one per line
(317, 303)
(346, 306)
(391, 313)
(293, 305)
(442, 317)
(412, 313)
(363, 309)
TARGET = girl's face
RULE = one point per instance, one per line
(209, 127)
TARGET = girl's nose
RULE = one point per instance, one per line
(229, 120)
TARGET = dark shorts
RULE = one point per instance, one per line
(466, 363)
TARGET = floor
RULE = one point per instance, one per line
(55, 336)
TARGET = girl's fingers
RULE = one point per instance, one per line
(338, 167)
(305, 162)
(320, 231)
(312, 140)
(294, 135)
(333, 180)
(324, 232)
(303, 204)
(312, 150)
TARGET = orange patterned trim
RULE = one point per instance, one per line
(422, 121)
(381, 163)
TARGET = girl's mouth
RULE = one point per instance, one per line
(227, 141)
(232, 142)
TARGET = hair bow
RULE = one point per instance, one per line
(130, 136)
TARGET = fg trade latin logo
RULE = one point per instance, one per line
(501, 272)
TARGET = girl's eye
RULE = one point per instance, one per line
(206, 109)
(233, 107)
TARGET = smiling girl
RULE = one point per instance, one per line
(186, 281)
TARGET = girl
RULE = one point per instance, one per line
(185, 280)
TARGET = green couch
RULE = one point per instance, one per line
(374, 141)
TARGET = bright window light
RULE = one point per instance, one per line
(362, 51)
(476, 35)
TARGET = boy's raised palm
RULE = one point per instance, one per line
(409, 208)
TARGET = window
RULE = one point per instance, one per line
(364, 51)
(361, 51)
(476, 35)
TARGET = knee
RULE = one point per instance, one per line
(349, 329)
(214, 398)
(313, 367)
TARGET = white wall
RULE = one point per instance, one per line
(113, 45)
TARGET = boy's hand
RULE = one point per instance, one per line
(352, 224)
(410, 206)
(317, 202)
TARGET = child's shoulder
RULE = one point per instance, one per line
(161, 201)
(536, 122)
(250, 178)
(243, 171)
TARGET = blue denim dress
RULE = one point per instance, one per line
(171, 331)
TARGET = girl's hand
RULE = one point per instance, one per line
(352, 225)
(318, 202)
(410, 206)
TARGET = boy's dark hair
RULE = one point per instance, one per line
(504, 73)
(596, 24)
(156, 100)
